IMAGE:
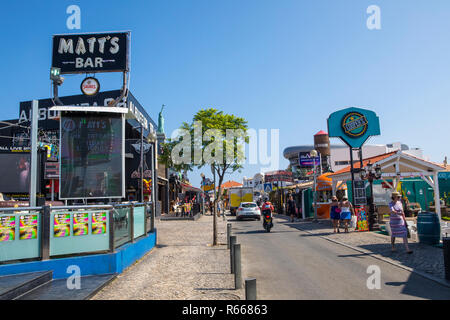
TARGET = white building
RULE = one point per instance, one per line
(340, 154)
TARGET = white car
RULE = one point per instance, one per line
(248, 210)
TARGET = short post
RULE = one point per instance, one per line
(232, 242)
(250, 289)
(228, 235)
(446, 249)
(237, 266)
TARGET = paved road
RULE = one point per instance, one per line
(291, 264)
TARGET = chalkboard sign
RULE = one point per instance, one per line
(359, 188)
(92, 158)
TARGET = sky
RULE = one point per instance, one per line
(283, 65)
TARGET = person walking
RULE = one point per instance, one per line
(335, 213)
(397, 221)
(291, 207)
(346, 208)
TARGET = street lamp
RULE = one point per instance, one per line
(313, 155)
(369, 173)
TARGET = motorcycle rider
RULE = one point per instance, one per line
(267, 206)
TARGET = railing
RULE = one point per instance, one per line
(42, 233)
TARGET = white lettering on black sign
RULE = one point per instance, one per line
(90, 52)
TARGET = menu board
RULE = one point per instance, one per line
(28, 227)
(7, 228)
(80, 224)
(61, 225)
(98, 222)
(92, 158)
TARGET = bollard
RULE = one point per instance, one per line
(232, 242)
(237, 266)
(228, 235)
(446, 250)
(250, 289)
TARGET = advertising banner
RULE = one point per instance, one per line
(98, 225)
(28, 227)
(7, 228)
(80, 224)
(362, 223)
(306, 161)
(90, 53)
(61, 225)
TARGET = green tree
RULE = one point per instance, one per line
(214, 139)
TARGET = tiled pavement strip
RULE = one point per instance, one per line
(183, 266)
(426, 260)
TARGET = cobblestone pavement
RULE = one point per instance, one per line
(183, 266)
(425, 259)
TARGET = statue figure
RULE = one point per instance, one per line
(161, 121)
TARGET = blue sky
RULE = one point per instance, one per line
(280, 64)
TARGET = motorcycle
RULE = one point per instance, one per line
(267, 222)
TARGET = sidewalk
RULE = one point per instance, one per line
(183, 266)
(426, 260)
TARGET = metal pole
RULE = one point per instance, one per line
(34, 131)
(153, 196)
(232, 243)
(215, 210)
(142, 164)
(315, 191)
(353, 175)
(237, 266)
(53, 191)
(250, 289)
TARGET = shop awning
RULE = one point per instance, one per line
(187, 187)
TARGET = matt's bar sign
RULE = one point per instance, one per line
(92, 52)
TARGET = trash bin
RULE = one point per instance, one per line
(428, 228)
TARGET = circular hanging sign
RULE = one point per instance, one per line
(90, 86)
(354, 124)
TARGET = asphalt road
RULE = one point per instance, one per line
(290, 264)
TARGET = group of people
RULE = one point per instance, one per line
(183, 208)
(343, 211)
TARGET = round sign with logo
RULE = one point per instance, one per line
(354, 124)
(90, 86)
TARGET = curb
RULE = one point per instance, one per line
(377, 256)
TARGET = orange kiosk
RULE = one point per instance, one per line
(324, 191)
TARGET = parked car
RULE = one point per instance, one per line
(248, 210)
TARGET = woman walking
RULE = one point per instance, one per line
(346, 212)
(397, 221)
(335, 213)
(291, 207)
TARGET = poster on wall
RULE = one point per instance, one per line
(98, 222)
(28, 226)
(362, 223)
(61, 226)
(80, 224)
(7, 228)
